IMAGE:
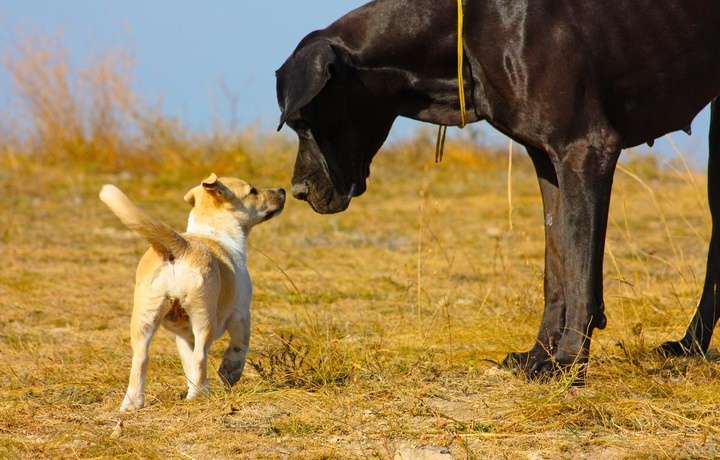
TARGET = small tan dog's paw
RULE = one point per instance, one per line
(198, 391)
(133, 403)
(231, 371)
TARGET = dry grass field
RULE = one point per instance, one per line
(373, 329)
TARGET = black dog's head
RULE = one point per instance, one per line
(340, 124)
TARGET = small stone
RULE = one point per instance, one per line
(423, 453)
(117, 431)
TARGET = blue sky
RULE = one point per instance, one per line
(184, 52)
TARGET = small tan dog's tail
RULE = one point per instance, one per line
(161, 236)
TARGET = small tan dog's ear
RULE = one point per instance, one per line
(210, 180)
(190, 197)
(216, 188)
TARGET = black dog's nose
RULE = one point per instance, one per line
(300, 191)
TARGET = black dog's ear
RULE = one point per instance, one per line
(305, 74)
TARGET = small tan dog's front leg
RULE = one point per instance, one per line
(233, 362)
(142, 329)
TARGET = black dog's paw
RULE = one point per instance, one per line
(525, 364)
(515, 362)
(679, 348)
(540, 366)
(231, 371)
(569, 368)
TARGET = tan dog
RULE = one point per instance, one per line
(195, 284)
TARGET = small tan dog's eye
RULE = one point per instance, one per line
(253, 191)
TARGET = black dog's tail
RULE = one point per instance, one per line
(166, 241)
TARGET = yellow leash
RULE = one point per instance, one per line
(442, 129)
(461, 84)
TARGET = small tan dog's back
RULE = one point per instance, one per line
(195, 284)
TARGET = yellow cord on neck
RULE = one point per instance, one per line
(461, 84)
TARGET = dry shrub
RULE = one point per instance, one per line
(284, 361)
(89, 116)
(69, 114)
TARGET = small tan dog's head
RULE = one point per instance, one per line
(225, 201)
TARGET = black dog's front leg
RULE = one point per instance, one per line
(528, 363)
(580, 198)
(585, 176)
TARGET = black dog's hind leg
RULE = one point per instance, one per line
(700, 330)
(554, 314)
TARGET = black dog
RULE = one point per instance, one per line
(574, 81)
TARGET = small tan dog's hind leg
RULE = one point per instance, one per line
(143, 326)
(197, 367)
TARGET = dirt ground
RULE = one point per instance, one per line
(373, 329)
